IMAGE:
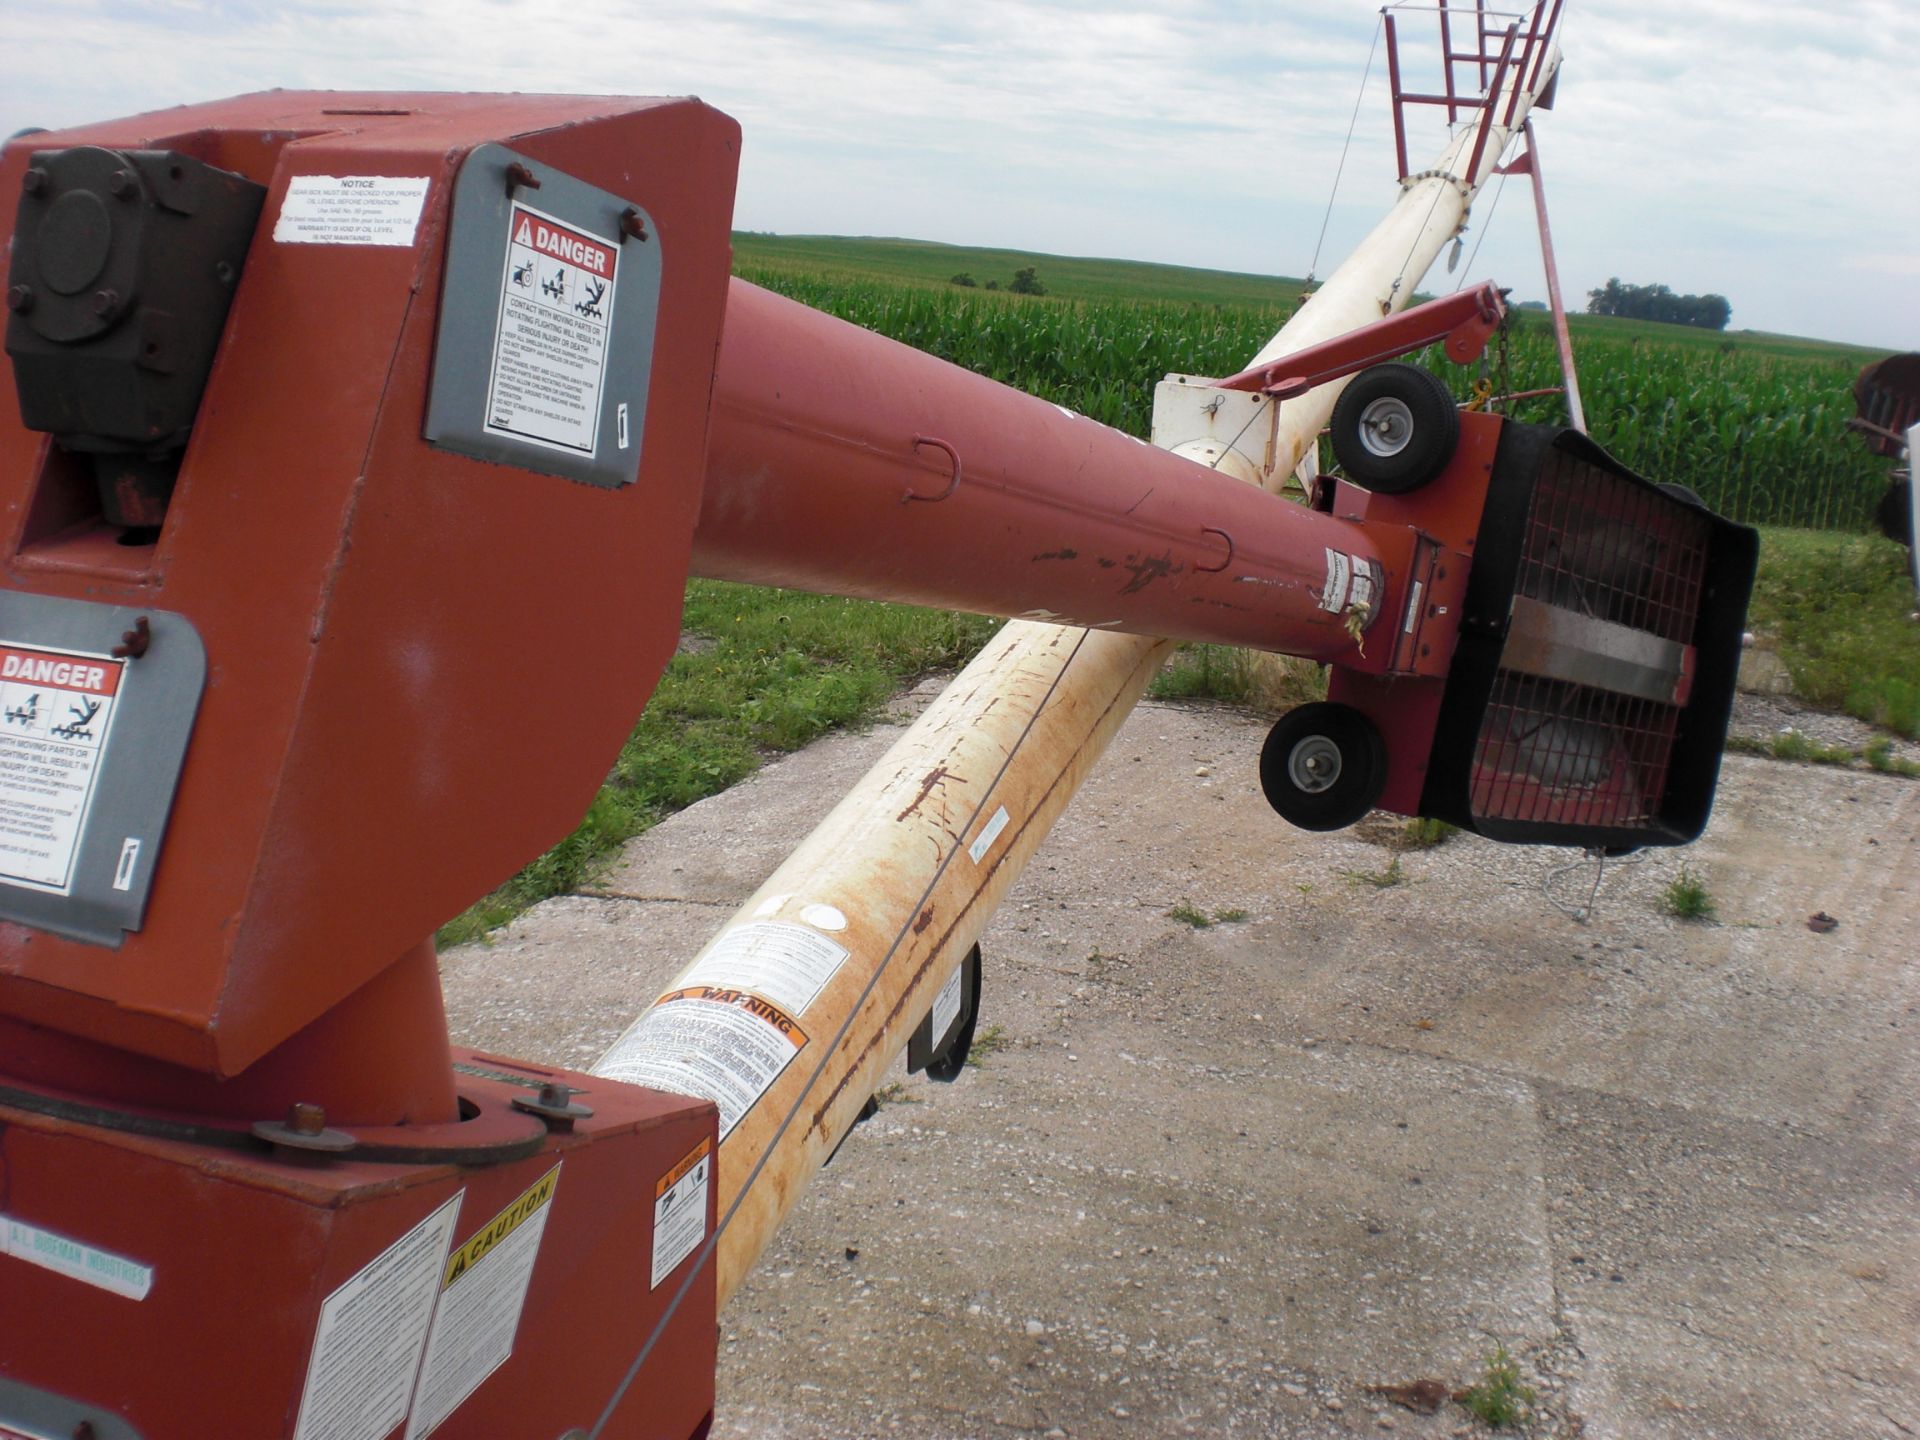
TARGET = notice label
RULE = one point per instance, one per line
(366, 1349)
(483, 1288)
(1333, 596)
(718, 1044)
(55, 710)
(946, 1006)
(789, 964)
(86, 1263)
(680, 1211)
(351, 210)
(550, 338)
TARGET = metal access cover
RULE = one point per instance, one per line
(91, 745)
(547, 318)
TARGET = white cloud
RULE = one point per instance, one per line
(1743, 146)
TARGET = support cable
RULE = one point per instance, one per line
(1341, 168)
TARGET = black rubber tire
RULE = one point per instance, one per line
(1343, 745)
(1395, 427)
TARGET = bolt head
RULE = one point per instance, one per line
(122, 183)
(306, 1119)
(36, 181)
(20, 299)
(105, 302)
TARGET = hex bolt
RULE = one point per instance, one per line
(85, 1431)
(519, 175)
(35, 181)
(223, 271)
(20, 299)
(122, 184)
(631, 224)
(555, 1094)
(105, 302)
(306, 1119)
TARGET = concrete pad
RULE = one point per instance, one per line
(1222, 1180)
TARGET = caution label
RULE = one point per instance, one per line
(367, 1347)
(551, 335)
(720, 1044)
(56, 708)
(680, 1210)
(789, 964)
(483, 1289)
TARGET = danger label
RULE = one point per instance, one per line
(55, 711)
(718, 1044)
(680, 1210)
(551, 337)
(483, 1289)
(789, 964)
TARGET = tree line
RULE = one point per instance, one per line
(1657, 302)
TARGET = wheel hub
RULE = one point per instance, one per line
(1314, 765)
(1386, 426)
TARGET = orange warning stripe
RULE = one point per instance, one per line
(679, 1172)
(745, 1000)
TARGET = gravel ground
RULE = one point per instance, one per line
(1372, 1123)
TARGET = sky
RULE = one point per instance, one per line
(1750, 148)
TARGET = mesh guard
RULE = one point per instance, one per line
(1589, 695)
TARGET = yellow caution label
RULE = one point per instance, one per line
(500, 1227)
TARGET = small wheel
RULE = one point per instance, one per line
(1395, 427)
(1323, 766)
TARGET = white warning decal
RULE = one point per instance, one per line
(789, 964)
(946, 1006)
(551, 337)
(1333, 597)
(351, 210)
(983, 842)
(680, 1210)
(87, 1263)
(366, 1350)
(56, 708)
(483, 1288)
(722, 1045)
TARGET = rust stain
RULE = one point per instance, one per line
(1105, 564)
(933, 777)
(1148, 568)
(926, 919)
(1061, 554)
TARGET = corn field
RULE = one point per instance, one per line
(1760, 436)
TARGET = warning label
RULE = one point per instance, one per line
(55, 710)
(789, 964)
(351, 210)
(722, 1045)
(483, 1288)
(680, 1210)
(372, 1330)
(551, 338)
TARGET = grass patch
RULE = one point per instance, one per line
(1838, 609)
(1792, 745)
(1380, 879)
(782, 668)
(1229, 917)
(1686, 897)
(989, 1041)
(1271, 683)
(1421, 833)
(1188, 915)
(1499, 1398)
(1879, 756)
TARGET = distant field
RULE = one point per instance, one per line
(928, 263)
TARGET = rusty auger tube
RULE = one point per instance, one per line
(899, 880)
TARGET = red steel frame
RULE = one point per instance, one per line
(1533, 50)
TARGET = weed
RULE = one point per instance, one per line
(1791, 744)
(895, 1093)
(1229, 917)
(1499, 1398)
(1380, 879)
(1686, 897)
(1879, 754)
(1422, 833)
(1188, 915)
(989, 1041)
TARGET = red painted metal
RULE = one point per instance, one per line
(324, 552)
(1399, 98)
(1492, 102)
(244, 1248)
(1529, 162)
(1465, 320)
(1541, 23)
(822, 441)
